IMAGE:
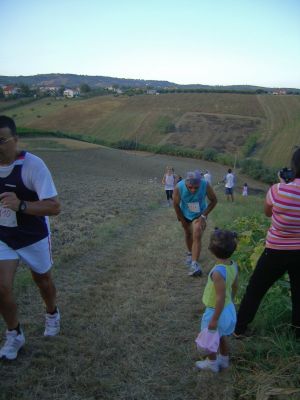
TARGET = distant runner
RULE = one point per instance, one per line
(207, 176)
(229, 184)
(191, 209)
(27, 196)
(169, 180)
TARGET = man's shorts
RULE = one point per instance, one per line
(37, 256)
(228, 190)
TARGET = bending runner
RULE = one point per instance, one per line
(191, 209)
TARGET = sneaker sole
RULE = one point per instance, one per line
(5, 358)
(196, 274)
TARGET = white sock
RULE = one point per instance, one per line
(223, 358)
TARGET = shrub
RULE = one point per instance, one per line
(210, 154)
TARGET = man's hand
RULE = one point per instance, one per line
(10, 200)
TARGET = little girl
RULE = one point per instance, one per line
(245, 190)
(218, 297)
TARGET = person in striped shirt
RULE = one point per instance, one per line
(281, 253)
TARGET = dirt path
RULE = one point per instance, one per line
(130, 313)
(130, 316)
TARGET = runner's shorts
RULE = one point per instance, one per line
(37, 256)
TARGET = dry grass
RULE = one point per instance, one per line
(130, 313)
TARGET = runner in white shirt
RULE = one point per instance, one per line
(169, 180)
(27, 197)
(229, 184)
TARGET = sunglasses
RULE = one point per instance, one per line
(4, 140)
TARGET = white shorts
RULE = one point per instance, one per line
(37, 256)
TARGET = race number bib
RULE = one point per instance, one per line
(194, 207)
(8, 217)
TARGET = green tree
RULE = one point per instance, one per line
(85, 88)
(24, 90)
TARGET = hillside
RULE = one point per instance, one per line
(73, 80)
(221, 121)
(96, 81)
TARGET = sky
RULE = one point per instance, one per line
(214, 42)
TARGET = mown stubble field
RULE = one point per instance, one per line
(130, 313)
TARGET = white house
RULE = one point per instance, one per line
(70, 93)
(10, 90)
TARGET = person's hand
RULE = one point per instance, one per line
(279, 178)
(10, 200)
(203, 223)
(213, 324)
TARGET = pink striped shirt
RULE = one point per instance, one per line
(284, 233)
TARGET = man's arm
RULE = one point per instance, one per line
(39, 208)
(176, 204)
(212, 200)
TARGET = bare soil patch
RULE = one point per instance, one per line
(225, 133)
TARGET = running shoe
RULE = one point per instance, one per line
(195, 269)
(52, 324)
(13, 343)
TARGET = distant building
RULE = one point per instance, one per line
(151, 91)
(279, 92)
(49, 90)
(10, 90)
(70, 93)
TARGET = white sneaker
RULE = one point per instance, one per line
(195, 269)
(223, 361)
(14, 342)
(208, 365)
(52, 324)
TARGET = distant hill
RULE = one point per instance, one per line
(261, 126)
(73, 80)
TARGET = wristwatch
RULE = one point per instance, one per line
(203, 216)
(22, 206)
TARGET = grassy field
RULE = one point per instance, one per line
(222, 121)
(130, 313)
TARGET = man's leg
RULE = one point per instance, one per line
(188, 235)
(48, 293)
(197, 231)
(47, 289)
(15, 339)
(197, 235)
(8, 306)
(268, 270)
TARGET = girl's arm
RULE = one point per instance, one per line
(163, 181)
(220, 289)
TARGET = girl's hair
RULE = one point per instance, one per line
(222, 243)
(295, 163)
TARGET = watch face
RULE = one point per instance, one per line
(23, 206)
